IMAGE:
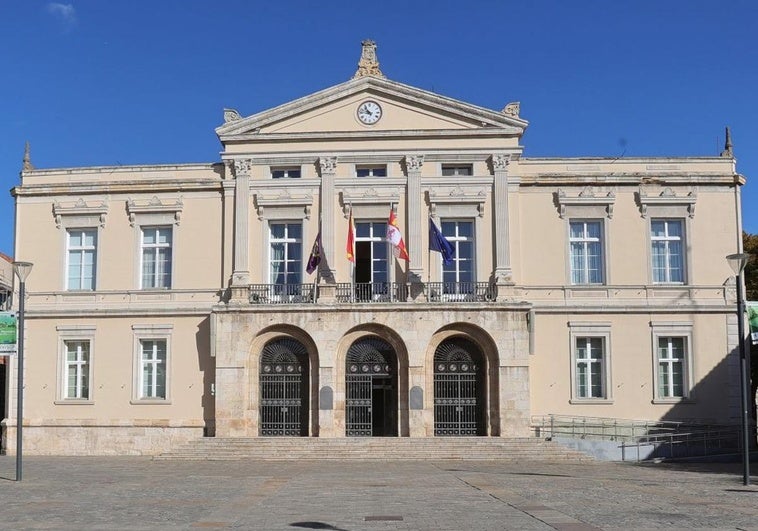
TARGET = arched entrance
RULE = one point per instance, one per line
(284, 388)
(459, 389)
(371, 389)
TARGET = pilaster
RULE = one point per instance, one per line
(241, 274)
(328, 169)
(503, 273)
(413, 164)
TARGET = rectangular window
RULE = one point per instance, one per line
(459, 277)
(76, 370)
(667, 250)
(152, 369)
(586, 250)
(589, 359)
(286, 241)
(82, 254)
(672, 356)
(371, 261)
(156, 257)
(457, 169)
(371, 171)
(285, 173)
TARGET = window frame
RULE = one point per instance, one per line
(683, 253)
(82, 333)
(287, 241)
(446, 168)
(371, 168)
(155, 333)
(157, 246)
(82, 249)
(601, 240)
(591, 330)
(683, 330)
(273, 170)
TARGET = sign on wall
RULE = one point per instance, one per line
(752, 315)
(7, 333)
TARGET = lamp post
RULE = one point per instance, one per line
(22, 270)
(737, 262)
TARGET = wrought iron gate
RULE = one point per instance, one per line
(283, 388)
(457, 389)
(369, 362)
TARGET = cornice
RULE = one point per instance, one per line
(116, 187)
(369, 135)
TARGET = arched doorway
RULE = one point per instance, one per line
(459, 389)
(371, 389)
(284, 388)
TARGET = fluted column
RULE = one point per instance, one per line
(328, 169)
(503, 272)
(241, 274)
(413, 164)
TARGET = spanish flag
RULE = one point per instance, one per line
(350, 247)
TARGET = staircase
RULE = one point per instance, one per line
(376, 448)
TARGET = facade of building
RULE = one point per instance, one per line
(176, 301)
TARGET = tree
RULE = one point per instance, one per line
(750, 246)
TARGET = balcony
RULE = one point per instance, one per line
(375, 292)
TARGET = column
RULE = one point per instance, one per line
(241, 274)
(503, 273)
(328, 169)
(413, 164)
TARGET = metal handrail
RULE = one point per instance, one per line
(460, 292)
(282, 293)
(372, 292)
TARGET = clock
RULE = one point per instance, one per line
(369, 112)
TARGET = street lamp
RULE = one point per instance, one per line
(738, 262)
(22, 270)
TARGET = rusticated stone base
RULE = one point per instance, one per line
(98, 440)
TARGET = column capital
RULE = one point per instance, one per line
(327, 165)
(242, 167)
(413, 163)
(500, 162)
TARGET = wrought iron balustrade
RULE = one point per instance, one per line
(460, 292)
(282, 293)
(372, 292)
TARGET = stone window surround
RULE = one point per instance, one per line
(602, 330)
(141, 332)
(605, 246)
(79, 215)
(82, 332)
(682, 329)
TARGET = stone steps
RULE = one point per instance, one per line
(374, 448)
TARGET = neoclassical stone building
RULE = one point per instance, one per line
(175, 301)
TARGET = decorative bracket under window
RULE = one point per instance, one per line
(154, 206)
(96, 211)
(586, 197)
(667, 198)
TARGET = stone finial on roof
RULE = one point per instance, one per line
(231, 115)
(512, 109)
(368, 64)
(27, 165)
(728, 150)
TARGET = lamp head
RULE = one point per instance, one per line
(22, 270)
(738, 262)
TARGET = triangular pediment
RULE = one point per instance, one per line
(404, 108)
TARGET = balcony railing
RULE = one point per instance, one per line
(460, 292)
(282, 293)
(372, 292)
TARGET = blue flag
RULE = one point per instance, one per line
(437, 242)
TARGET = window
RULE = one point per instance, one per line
(371, 260)
(152, 369)
(586, 252)
(156, 257)
(371, 171)
(459, 276)
(285, 173)
(82, 250)
(457, 169)
(76, 372)
(589, 367)
(667, 250)
(672, 355)
(286, 240)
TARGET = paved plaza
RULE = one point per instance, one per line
(138, 493)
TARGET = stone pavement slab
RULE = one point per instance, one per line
(139, 493)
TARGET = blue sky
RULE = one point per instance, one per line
(101, 82)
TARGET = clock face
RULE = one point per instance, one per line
(369, 112)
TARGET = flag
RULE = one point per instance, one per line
(437, 242)
(350, 247)
(395, 237)
(316, 253)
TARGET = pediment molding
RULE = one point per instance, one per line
(369, 195)
(95, 211)
(487, 118)
(666, 198)
(588, 197)
(457, 195)
(297, 201)
(154, 205)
